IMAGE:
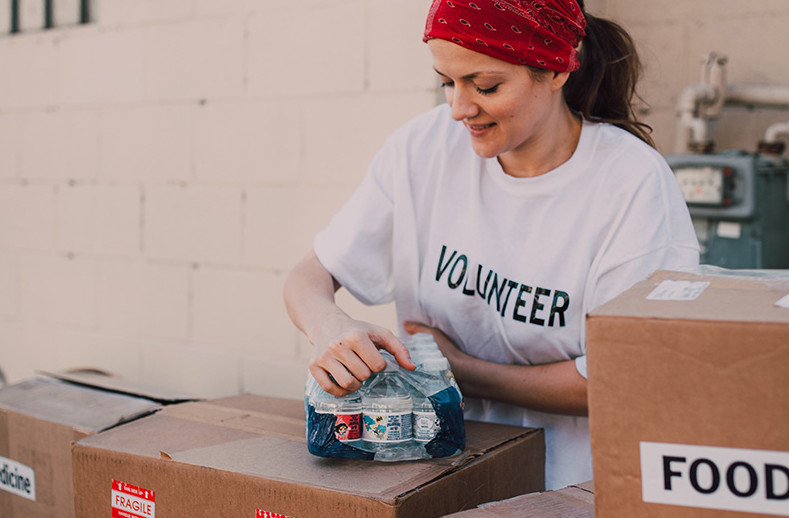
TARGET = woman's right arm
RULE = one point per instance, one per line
(345, 350)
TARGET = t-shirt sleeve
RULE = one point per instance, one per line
(652, 232)
(356, 245)
(580, 366)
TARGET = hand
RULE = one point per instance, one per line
(347, 353)
(553, 387)
(346, 350)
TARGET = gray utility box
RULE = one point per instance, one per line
(739, 203)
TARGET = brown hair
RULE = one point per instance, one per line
(604, 87)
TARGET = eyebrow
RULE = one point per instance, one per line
(472, 76)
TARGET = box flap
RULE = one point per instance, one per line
(85, 409)
(587, 486)
(265, 437)
(102, 380)
(705, 294)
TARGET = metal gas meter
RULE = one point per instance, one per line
(739, 203)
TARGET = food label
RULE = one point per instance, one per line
(426, 426)
(387, 427)
(130, 501)
(731, 479)
(348, 427)
(17, 478)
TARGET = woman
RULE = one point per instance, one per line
(498, 220)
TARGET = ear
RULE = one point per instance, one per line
(559, 78)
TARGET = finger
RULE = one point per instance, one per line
(413, 328)
(351, 360)
(371, 357)
(388, 342)
(326, 382)
(334, 377)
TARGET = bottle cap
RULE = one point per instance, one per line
(422, 339)
(435, 363)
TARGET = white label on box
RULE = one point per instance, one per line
(17, 478)
(729, 230)
(678, 290)
(732, 479)
(130, 501)
(783, 302)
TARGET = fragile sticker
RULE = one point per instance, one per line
(17, 478)
(268, 514)
(130, 501)
(678, 290)
(711, 477)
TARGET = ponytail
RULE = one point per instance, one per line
(604, 86)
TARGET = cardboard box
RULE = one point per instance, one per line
(689, 396)
(246, 457)
(576, 501)
(41, 418)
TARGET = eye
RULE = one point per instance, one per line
(447, 84)
(488, 91)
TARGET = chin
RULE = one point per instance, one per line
(485, 152)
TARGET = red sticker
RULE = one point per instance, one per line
(268, 514)
(130, 501)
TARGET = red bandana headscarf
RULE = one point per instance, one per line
(541, 33)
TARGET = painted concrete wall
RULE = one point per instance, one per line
(163, 167)
(673, 37)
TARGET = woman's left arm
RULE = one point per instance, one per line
(556, 388)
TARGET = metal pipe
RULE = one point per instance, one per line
(758, 95)
(713, 72)
(764, 96)
(703, 101)
(776, 130)
(698, 103)
(691, 98)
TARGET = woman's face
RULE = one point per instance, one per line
(504, 107)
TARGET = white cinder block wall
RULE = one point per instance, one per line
(674, 35)
(163, 167)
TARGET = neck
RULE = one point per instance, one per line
(550, 149)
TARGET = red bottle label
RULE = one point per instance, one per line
(348, 427)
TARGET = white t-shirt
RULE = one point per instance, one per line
(509, 267)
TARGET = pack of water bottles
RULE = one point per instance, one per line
(396, 415)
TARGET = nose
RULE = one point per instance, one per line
(463, 107)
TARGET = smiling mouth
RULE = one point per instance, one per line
(476, 129)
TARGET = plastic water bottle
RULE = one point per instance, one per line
(386, 411)
(426, 422)
(421, 345)
(423, 348)
(347, 411)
